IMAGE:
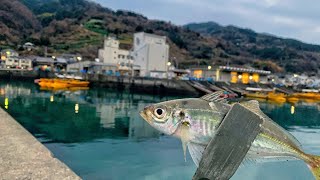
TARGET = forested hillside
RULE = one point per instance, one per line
(79, 26)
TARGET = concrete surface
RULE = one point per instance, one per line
(23, 157)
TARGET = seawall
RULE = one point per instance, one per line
(23, 157)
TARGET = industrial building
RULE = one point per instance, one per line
(241, 75)
(151, 54)
(148, 57)
(231, 74)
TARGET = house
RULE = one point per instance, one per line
(25, 63)
(6, 53)
(28, 46)
(71, 58)
(151, 54)
(14, 62)
(111, 53)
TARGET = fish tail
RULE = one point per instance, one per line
(313, 162)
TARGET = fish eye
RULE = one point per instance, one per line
(159, 112)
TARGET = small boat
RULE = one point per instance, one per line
(78, 88)
(278, 97)
(63, 84)
(256, 95)
(292, 99)
(77, 83)
(308, 95)
(59, 85)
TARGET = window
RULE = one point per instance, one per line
(119, 56)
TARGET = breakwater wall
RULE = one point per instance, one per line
(132, 84)
(23, 157)
(143, 85)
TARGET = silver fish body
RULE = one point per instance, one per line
(195, 121)
(272, 142)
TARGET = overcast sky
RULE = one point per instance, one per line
(299, 19)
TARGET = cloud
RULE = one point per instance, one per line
(287, 18)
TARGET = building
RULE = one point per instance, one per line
(18, 63)
(41, 61)
(111, 53)
(25, 63)
(151, 54)
(6, 53)
(203, 72)
(92, 67)
(231, 74)
(28, 46)
(241, 75)
(70, 58)
(12, 62)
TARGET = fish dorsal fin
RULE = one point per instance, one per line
(253, 105)
(214, 97)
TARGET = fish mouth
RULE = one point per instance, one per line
(144, 115)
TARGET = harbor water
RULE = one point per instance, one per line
(99, 134)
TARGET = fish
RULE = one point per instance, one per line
(195, 121)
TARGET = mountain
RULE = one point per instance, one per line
(79, 26)
(290, 54)
(16, 21)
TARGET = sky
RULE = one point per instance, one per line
(298, 19)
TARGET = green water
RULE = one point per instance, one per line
(99, 134)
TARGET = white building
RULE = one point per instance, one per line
(18, 63)
(111, 53)
(151, 54)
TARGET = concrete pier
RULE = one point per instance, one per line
(23, 157)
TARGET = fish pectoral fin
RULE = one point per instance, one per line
(196, 151)
(185, 138)
(184, 147)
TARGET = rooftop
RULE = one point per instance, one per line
(237, 69)
(152, 35)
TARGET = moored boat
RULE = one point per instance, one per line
(278, 97)
(256, 95)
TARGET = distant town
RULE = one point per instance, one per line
(149, 57)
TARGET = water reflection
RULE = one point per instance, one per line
(100, 135)
(78, 116)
